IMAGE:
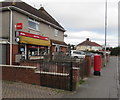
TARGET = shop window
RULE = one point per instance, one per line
(37, 50)
(32, 24)
(56, 32)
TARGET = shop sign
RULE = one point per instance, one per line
(32, 35)
(19, 26)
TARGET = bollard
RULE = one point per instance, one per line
(97, 65)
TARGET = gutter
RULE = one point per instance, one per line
(11, 24)
(25, 12)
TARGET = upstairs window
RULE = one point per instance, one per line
(56, 32)
(32, 24)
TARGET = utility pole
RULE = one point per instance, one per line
(105, 29)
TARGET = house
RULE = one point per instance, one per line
(89, 46)
(27, 32)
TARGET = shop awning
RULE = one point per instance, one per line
(29, 38)
(34, 41)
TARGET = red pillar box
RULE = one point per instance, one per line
(97, 65)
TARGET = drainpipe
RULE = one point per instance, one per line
(11, 24)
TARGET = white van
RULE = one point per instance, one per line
(77, 54)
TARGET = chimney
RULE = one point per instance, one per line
(42, 9)
(87, 39)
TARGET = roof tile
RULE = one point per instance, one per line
(89, 43)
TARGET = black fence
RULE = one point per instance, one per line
(56, 74)
(62, 71)
(59, 74)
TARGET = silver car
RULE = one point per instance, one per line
(77, 54)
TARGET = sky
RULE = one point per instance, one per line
(83, 19)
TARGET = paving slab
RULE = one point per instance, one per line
(23, 90)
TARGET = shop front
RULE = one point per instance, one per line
(33, 52)
(32, 46)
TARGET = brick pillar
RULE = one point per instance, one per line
(14, 52)
(88, 63)
(102, 61)
(63, 49)
(76, 77)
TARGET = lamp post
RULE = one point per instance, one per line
(105, 29)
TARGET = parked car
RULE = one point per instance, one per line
(89, 53)
(77, 54)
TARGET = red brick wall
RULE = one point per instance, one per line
(64, 49)
(52, 50)
(28, 75)
(20, 74)
(29, 63)
(14, 52)
(76, 75)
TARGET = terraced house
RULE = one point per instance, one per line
(27, 32)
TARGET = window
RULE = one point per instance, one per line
(76, 52)
(57, 48)
(32, 24)
(56, 32)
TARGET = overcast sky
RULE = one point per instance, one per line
(83, 19)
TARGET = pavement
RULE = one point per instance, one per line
(23, 90)
(104, 86)
(119, 74)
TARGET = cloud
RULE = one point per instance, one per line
(84, 18)
(78, 37)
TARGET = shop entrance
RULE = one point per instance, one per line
(22, 51)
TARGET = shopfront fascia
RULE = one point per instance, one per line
(32, 46)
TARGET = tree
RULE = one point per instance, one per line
(115, 51)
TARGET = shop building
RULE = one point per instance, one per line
(28, 33)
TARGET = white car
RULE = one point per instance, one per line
(77, 54)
